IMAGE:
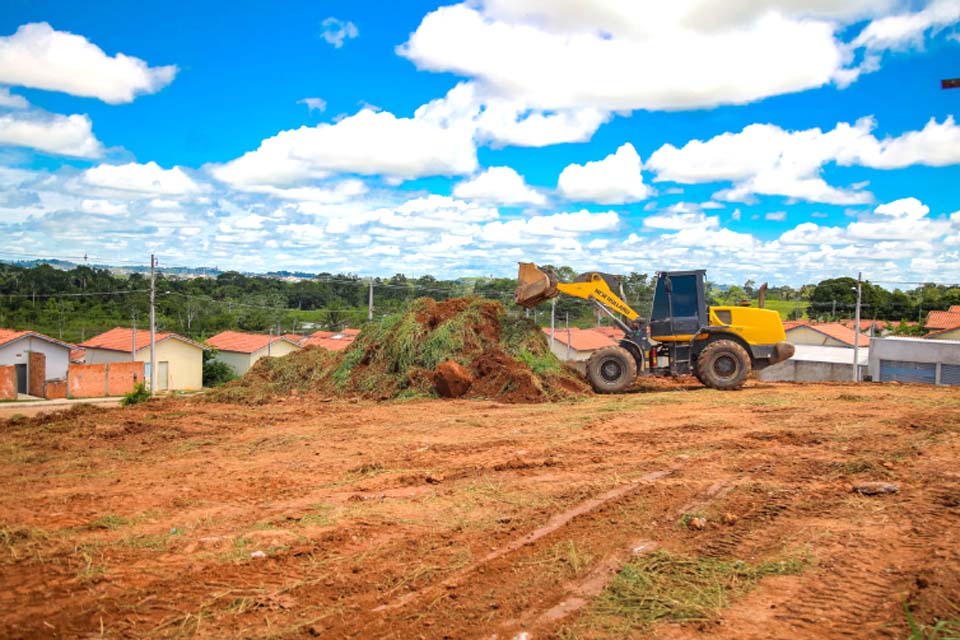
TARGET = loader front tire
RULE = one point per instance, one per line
(611, 370)
(723, 365)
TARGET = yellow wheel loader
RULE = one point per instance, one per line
(718, 345)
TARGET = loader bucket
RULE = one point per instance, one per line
(534, 285)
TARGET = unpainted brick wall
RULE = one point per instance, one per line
(8, 382)
(56, 389)
(87, 380)
(122, 377)
(37, 364)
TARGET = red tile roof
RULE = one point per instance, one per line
(9, 335)
(322, 334)
(294, 337)
(240, 342)
(836, 331)
(615, 333)
(790, 324)
(940, 331)
(78, 355)
(122, 339)
(581, 339)
(331, 342)
(943, 319)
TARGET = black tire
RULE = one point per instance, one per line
(611, 370)
(723, 365)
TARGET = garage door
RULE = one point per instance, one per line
(950, 374)
(901, 371)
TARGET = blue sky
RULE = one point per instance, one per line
(773, 140)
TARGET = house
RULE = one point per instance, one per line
(951, 333)
(577, 345)
(179, 359)
(948, 319)
(22, 350)
(915, 360)
(240, 351)
(331, 340)
(825, 334)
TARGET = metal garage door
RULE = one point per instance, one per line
(950, 374)
(901, 371)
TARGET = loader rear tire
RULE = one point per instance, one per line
(611, 370)
(723, 365)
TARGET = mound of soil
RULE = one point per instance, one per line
(460, 348)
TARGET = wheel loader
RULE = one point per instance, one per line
(719, 345)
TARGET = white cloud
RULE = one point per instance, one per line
(809, 233)
(499, 184)
(625, 55)
(336, 31)
(318, 104)
(903, 29)
(104, 207)
(616, 179)
(56, 134)
(368, 143)
(527, 230)
(339, 192)
(499, 120)
(40, 57)
(143, 178)
(765, 159)
(775, 216)
(436, 212)
(12, 100)
(679, 219)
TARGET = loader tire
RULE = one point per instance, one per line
(723, 365)
(611, 370)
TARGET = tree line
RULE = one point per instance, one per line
(75, 304)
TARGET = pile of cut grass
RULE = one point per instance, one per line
(508, 357)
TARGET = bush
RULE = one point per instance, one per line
(216, 373)
(138, 395)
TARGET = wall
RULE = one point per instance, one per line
(913, 350)
(239, 362)
(952, 334)
(806, 335)
(122, 377)
(809, 371)
(560, 350)
(56, 389)
(99, 380)
(87, 381)
(101, 356)
(36, 373)
(8, 382)
(184, 364)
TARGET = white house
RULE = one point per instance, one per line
(240, 351)
(15, 347)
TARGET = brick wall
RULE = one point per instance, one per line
(37, 366)
(122, 377)
(99, 380)
(87, 380)
(8, 382)
(56, 389)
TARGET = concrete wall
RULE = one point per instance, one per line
(560, 350)
(102, 356)
(913, 350)
(184, 364)
(809, 371)
(57, 356)
(8, 382)
(805, 335)
(953, 334)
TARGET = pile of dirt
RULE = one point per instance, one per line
(460, 348)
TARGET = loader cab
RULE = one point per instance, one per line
(679, 306)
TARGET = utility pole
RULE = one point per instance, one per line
(856, 331)
(370, 303)
(153, 326)
(553, 314)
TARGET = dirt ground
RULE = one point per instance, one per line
(472, 519)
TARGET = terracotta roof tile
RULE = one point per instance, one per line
(9, 335)
(943, 319)
(790, 324)
(240, 342)
(581, 339)
(615, 333)
(322, 334)
(838, 332)
(122, 339)
(333, 342)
